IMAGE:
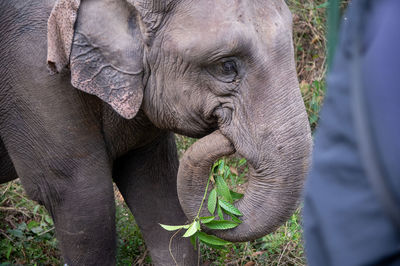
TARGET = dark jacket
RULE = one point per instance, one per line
(346, 219)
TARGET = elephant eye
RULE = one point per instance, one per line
(225, 70)
(229, 67)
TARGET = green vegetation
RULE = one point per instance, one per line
(220, 206)
(283, 247)
(309, 27)
(27, 232)
(26, 229)
(131, 247)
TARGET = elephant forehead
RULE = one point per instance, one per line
(197, 42)
(213, 27)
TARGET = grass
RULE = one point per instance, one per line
(309, 30)
(283, 247)
(27, 232)
(131, 249)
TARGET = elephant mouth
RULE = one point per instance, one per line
(272, 194)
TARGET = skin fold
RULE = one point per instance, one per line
(139, 71)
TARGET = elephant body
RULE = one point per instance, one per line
(68, 140)
(64, 145)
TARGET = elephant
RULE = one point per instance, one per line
(92, 92)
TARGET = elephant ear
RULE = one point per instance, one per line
(60, 31)
(103, 44)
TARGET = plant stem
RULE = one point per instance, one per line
(204, 197)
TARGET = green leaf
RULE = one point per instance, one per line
(48, 220)
(32, 224)
(37, 230)
(235, 219)
(214, 166)
(174, 227)
(36, 209)
(212, 201)
(221, 167)
(213, 246)
(242, 162)
(212, 240)
(236, 196)
(229, 208)
(194, 227)
(223, 189)
(227, 172)
(22, 226)
(207, 219)
(193, 241)
(221, 225)
(16, 233)
(220, 214)
(9, 252)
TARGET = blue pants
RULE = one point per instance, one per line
(345, 222)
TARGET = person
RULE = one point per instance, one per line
(352, 195)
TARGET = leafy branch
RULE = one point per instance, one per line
(220, 202)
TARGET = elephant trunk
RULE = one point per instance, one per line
(271, 197)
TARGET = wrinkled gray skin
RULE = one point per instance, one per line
(67, 146)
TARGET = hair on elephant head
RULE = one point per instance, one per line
(197, 67)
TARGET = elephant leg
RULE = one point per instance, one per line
(147, 180)
(62, 163)
(7, 170)
(85, 222)
(79, 196)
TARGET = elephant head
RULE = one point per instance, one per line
(221, 70)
